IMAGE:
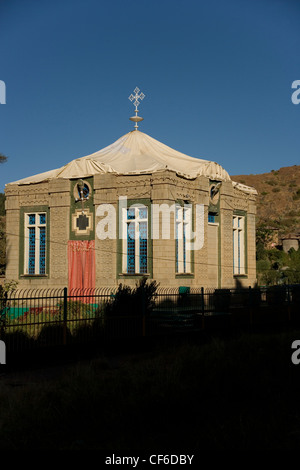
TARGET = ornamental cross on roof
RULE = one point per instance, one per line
(135, 98)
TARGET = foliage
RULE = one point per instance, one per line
(2, 234)
(272, 182)
(222, 300)
(263, 234)
(292, 274)
(3, 158)
(38, 320)
(76, 309)
(296, 196)
(2, 245)
(133, 301)
(278, 267)
(276, 295)
(2, 204)
(8, 287)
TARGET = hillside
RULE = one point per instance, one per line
(2, 234)
(278, 202)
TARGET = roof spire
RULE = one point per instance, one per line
(136, 97)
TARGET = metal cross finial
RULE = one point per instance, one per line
(135, 98)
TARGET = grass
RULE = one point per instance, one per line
(35, 320)
(236, 393)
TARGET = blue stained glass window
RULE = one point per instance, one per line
(130, 248)
(42, 218)
(137, 249)
(131, 213)
(211, 218)
(143, 213)
(31, 219)
(42, 250)
(85, 191)
(143, 247)
(31, 257)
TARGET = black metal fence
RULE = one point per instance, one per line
(47, 317)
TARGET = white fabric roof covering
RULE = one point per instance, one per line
(134, 153)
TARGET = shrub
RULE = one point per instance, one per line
(53, 334)
(296, 294)
(276, 295)
(221, 300)
(296, 196)
(272, 182)
(133, 301)
(75, 309)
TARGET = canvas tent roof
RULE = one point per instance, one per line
(135, 153)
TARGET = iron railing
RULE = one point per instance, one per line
(48, 317)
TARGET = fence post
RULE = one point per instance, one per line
(289, 302)
(202, 306)
(65, 315)
(3, 315)
(250, 306)
(143, 313)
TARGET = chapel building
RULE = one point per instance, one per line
(135, 208)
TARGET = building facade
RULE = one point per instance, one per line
(136, 208)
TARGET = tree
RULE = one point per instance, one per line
(292, 273)
(263, 234)
(3, 158)
(2, 246)
(133, 301)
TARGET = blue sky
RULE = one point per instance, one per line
(217, 77)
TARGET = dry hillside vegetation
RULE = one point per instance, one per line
(278, 202)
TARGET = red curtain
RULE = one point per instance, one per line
(81, 258)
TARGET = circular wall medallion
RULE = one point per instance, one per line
(82, 190)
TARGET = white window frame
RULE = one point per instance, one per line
(238, 227)
(183, 225)
(37, 227)
(125, 222)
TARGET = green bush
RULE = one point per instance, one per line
(296, 295)
(17, 340)
(76, 309)
(276, 295)
(2, 204)
(221, 299)
(53, 334)
(133, 301)
(272, 182)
